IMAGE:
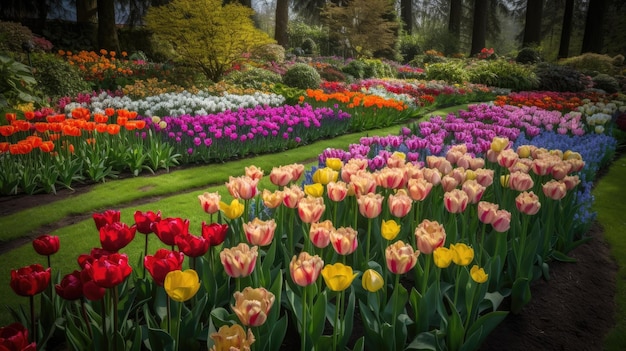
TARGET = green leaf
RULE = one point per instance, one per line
(455, 332)
(277, 335)
(318, 317)
(423, 341)
(520, 294)
(559, 256)
(158, 339)
(480, 329)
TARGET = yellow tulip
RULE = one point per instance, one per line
(229, 337)
(315, 190)
(232, 211)
(498, 144)
(389, 229)
(334, 163)
(372, 281)
(325, 175)
(462, 254)
(181, 286)
(338, 276)
(442, 257)
(478, 274)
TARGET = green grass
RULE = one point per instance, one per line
(609, 203)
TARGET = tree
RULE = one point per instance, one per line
(593, 37)
(86, 11)
(406, 13)
(282, 19)
(454, 21)
(107, 29)
(205, 33)
(532, 26)
(566, 30)
(363, 25)
(479, 27)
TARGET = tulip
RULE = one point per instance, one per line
(305, 269)
(115, 236)
(542, 167)
(296, 170)
(292, 195)
(71, 286)
(168, 229)
(560, 170)
(240, 260)
(95, 253)
(109, 271)
(314, 190)
(419, 189)
(478, 274)
(554, 189)
(344, 240)
(440, 163)
(528, 203)
(391, 178)
(46, 244)
(352, 167)
(448, 183)
(280, 176)
(571, 182)
(504, 180)
(106, 217)
(210, 202)
(389, 229)
(372, 281)
(476, 163)
(144, 221)
(484, 177)
(455, 201)
(370, 205)
(487, 211)
(338, 277)
(459, 174)
(30, 280)
(507, 158)
(520, 181)
(577, 165)
(363, 183)
(91, 290)
(320, 233)
(163, 262)
(311, 209)
(337, 191)
(473, 190)
(334, 163)
(259, 232)
(244, 188)
(498, 144)
(429, 235)
(442, 256)
(181, 285)
(399, 203)
(192, 246)
(252, 306)
(272, 199)
(253, 172)
(400, 257)
(232, 211)
(15, 337)
(214, 233)
(233, 337)
(502, 222)
(462, 254)
(524, 151)
(325, 175)
(433, 176)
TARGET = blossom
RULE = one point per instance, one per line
(419, 189)
(240, 260)
(310, 209)
(554, 189)
(259, 232)
(210, 202)
(455, 201)
(115, 236)
(462, 254)
(15, 337)
(144, 221)
(272, 199)
(338, 277)
(337, 191)
(389, 229)
(305, 268)
(232, 337)
(167, 229)
(478, 274)
(487, 211)
(400, 257)
(192, 245)
(30, 280)
(442, 256)
(214, 233)
(244, 188)
(106, 217)
(234, 210)
(181, 285)
(344, 240)
(252, 305)
(527, 203)
(325, 175)
(319, 234)
(372, 281)
(108, 271)
(502, 221)
(370, 205)
(429, 235)
(46, 244)
(399, 203)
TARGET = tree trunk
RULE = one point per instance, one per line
(593, 37)
(479, 27)
(86, 11)
(107, 29)
(282, 21)
(532, 27)
(406, 12)
(566, 31)
(42, 16)
(454, 22)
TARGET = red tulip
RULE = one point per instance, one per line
(71, 286)
(168, 229)
(95, 253)
(15, 337)
(30, 280)
(163, 262)
(91, 290)
(192, 246)
(145, 220)
(46, 244)
(215, 233)
(109, 271)
(106, 217)
(115, 236)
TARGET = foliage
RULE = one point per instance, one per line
(206, 34)
(528, 55)
(17, 84)
(606, 83)
(409, 47)
(590, 63)
(370, 30)
(252, 77)
(56, 77)
(150, 87)
(14, 35)
(299, 32)
(355, 68)
(302, 76)
(561, 78)
(503, 74)
(309, 47)
(329, 72)
(72, 36)
(269, 52)
(452, 71)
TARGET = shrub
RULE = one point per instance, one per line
(409, 47)
(375, 68)
(252, 77)
(302, 76)
(309, 47)
(590, 63)
(606, 83)
(528, 56)
(269, 52)
(561, 78)
(56, 77)
(503, 74)
(13, 35)
(355, 68)
(452, 71)
(299, 31)
(17, 84)
(332, 74)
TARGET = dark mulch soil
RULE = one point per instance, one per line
(571, 311)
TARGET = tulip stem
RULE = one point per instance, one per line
(178, 322)
(427, 261)
(84, 313)
(105, 336)
(145, 253)
(32, 319)
(304, 318)
(367, 243)
(336, 326)
(395, 307)
(169, 316)
(115, 317)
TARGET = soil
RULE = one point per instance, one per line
(572, 311)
